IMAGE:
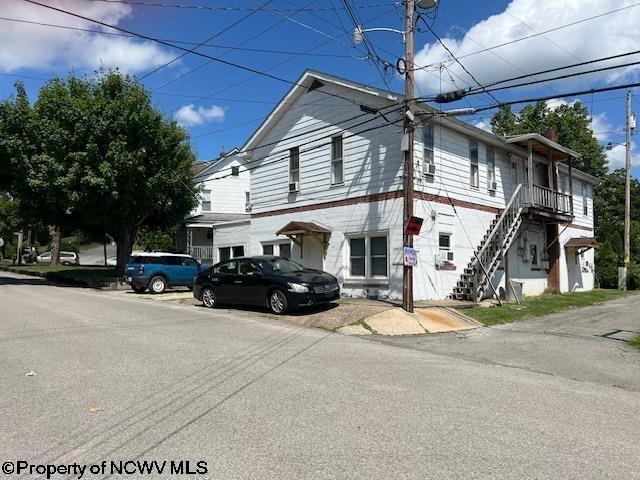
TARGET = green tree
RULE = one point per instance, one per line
(156, 239)
(95, 154)
(571, 124)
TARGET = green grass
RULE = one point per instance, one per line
(67, 270)
(540, 306)
(635, 342)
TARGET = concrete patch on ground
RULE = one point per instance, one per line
(353, 330)
(395, 321)
(438, 320)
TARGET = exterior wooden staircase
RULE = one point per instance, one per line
(477, 275)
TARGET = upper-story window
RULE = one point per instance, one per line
(585, 199)
(491, 168)
(294, 167)
(235, 171)
(427, 141)
(474, 178)
(337, 162)
(206, 200)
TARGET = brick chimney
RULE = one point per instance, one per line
(551, 135)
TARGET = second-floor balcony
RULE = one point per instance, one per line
(548, 202)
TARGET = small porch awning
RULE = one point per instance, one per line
(582, 243)
(543, 146)
(297, 230)
(301, 228)
(200, 225)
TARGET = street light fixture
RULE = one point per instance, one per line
(358, 34)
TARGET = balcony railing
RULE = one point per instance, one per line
(203, 252)
(549, 199)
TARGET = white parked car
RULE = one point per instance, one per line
(112, 261)
(66, 258)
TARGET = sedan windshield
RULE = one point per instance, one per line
(282, 265)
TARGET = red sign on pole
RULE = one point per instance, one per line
(413, 226)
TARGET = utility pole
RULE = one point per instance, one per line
(623, 272)
(407, 278)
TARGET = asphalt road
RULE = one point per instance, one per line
(258, 399)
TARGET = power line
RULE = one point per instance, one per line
(215, 35)
(550, 70)
(168, 44)
(458, 61)
(181, 42)
(550, 30)
(561, 77)
(234, 9)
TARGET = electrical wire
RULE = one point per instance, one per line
(168, 44)
(234, 9)
(181, 42)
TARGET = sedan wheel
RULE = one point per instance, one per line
(158, 285)
(209, 298)
(278, 302)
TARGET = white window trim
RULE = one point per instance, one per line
(291, 170)
(367, 260)
(202, 202)
(426, 148)
(336, 160)
(446, 232)
(491, 172)
(277, 243)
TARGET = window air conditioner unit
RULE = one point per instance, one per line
(431, 169)
(450, 256)
(247, 207)
(493, 186)
(437, 259)
(294, 186)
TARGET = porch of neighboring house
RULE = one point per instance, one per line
(200, 242)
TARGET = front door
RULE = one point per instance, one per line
(312, 253)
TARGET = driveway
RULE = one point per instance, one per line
(587, 344)
(118, 379)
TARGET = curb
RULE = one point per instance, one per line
(112, 283)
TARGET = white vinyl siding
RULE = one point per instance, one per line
(337, 162)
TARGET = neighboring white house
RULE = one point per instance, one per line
(326, 189)
(225, 199)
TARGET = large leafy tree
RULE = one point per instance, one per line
(96, 155)
(571, 124)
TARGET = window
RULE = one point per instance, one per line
(267, 249)
(444, 241)
(247, 268)
(474, 179)
(533, 253)
(206, 200)
(285, 250)
(247, 201)
(294, 165)
(337, 163)
(224, 253)
(514, 173)
(235, 171)
(230, 267)
(357, 257)
(209, 233)
(368, 257)
(427, 141)
(491, 167)
(378, 256)
(585, 200)
(187, 262)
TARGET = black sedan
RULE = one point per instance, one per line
(274, 282)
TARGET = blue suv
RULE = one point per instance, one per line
(158, 271)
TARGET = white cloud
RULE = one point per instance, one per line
(483, 124)
(40, 47)
(601, 127)
(617, 157)
(604, 36)
(190, 116)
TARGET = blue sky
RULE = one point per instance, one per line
(221, 105)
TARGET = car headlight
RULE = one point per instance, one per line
(297, 288)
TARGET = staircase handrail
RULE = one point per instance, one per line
(498, 225)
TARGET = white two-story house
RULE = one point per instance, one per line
(225, 199)
(499, 214)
